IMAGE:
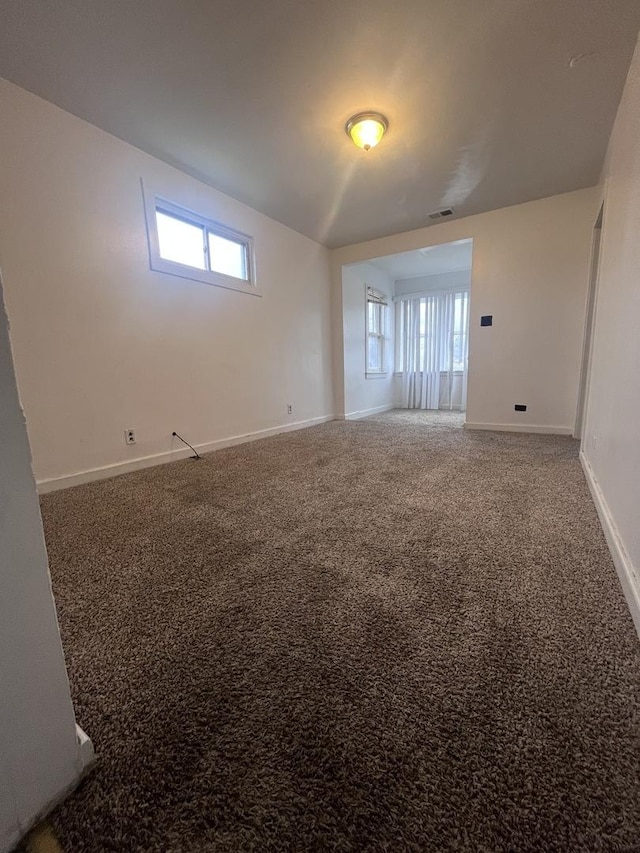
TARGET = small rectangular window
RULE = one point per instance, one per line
(189, 245)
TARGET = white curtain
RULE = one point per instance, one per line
(433, 351)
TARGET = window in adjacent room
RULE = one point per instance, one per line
(442, 324)
(432, 345)
(190, 245)
(377, 308)
(460, 331)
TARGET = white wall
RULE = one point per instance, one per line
(611, 436)
(102, 343)
(426, 283)
(39, 755)
(530, 271)
(364, 395)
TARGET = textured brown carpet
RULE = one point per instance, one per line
(422, 417)
(365, 636)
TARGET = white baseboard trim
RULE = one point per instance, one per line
(105, 471)
(536, 428)
(627, 573)
(87, 752)
(364, 413)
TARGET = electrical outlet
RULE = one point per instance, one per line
(289, 409)
(129, 436)
(519, 407)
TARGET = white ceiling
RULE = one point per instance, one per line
(252, 96)
(435, 260)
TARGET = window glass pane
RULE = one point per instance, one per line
(457, 322)
(399, 341)
(181, 242)
(458, 350)
(375, 317)
(227, 256)
(374, 353)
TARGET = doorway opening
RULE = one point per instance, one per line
(421, 335)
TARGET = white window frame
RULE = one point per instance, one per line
(153, 202)
(377, 298)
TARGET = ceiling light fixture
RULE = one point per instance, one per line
(367, 129)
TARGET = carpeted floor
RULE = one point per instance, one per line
(421, 417)
(364, 636)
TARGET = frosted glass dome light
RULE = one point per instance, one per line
(367, 129)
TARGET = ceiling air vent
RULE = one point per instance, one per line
(441, 214)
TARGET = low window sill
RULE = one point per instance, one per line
(376, 375)
(217, 279)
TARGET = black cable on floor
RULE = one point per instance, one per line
(197, 455)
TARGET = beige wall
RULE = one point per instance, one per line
(530, 271)
(102, 343)
(611, 436)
